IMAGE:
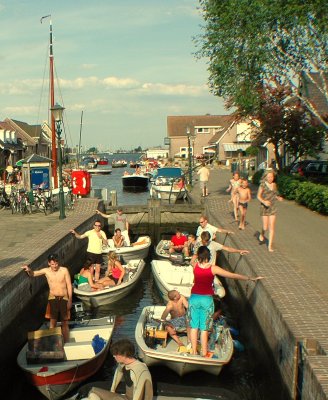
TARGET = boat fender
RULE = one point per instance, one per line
(98, 343)
(238, 346)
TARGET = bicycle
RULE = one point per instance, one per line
(43, 202)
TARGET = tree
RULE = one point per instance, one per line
(286, 124)
(93, 150)
(249, 42)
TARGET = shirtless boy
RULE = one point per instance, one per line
(176, 307)
(60, 292)
(244, 194)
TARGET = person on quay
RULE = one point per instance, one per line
(201, 307)
(120, 221)
(60, 292)
(138, 381)
(214, 247)
(234, 184)
(96, 240)
(176, 308)
(118, 238)
(204, 175)
(115, 271)
(213, 230)
(268, 196)
(244, 197)
(177, 242)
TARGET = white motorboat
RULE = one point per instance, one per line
(155, 348)
(58, 369)
(168, 184)
(133, 271)
(137, 250)
(168, 276)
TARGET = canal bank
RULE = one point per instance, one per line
(290, 306)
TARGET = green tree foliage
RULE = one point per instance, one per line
(249, 42)
(93, 150)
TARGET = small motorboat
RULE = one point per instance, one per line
(133, 271)
(168, 184)
(119, 163)
(100, 171)
(89, 162)
(156, 348)
(168, 276)
(135, 182)
(137, 250)
(103, 161)
(55, 368)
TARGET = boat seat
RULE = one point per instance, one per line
(78, 350)
(83, 334)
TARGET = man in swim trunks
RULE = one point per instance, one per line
(244, 196)
(176, 307)
(60, 292)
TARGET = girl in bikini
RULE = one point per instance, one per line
(235, 183)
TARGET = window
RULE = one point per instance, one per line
(202, 130)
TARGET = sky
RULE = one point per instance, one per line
(126, 64)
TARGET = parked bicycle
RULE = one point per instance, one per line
(4, 199)
(42, 201)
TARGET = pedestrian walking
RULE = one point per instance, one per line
(96, 240)
(204, 175)
(268, 196)
(234, 184)
(244, 197)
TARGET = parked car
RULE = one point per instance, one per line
(299, 166)
(317, 169)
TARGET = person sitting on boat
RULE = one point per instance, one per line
(213, 230)
(176, 308)
(138, 382)
(179, 184)
(138, 170)
(214, 247)
(120, 221)
(60, 292)
(190, 245)
(85, 278)
(118, 238)
(115, 272)
(177, 242)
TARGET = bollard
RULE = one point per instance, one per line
(113, 198)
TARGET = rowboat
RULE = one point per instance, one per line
(55, 373)
(137, 250)
(168, 276)
(133, 271)
(155, 348)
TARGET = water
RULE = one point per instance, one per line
(238, 380)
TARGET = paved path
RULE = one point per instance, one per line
(301, 234)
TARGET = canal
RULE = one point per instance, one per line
(243, 378)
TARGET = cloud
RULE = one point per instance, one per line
(173, 90)
(127, 83)
(88, 66)
(24, 110)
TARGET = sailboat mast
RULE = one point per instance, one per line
(52, 103)
(79, 150)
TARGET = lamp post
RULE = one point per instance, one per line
(189, 155)
(57, 113)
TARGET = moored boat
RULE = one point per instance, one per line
(55, 373)
(168, 276)
(133, 271)
(100, 171)
(119, 163)
(168, 184)
(137, 250)
(135, 182)
(103, 161)
(155, 348)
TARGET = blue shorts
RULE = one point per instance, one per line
(179, 322)
(200, 312)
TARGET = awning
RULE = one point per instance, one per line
(209, 151)
(236, 146)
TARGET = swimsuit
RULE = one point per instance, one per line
(57, 308)
(244, 205)
(270, 195)
(179, 322)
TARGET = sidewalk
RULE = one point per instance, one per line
(301, 234)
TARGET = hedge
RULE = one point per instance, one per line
(311, 195)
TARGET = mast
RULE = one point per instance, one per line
(79, 150)
(52, 103)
